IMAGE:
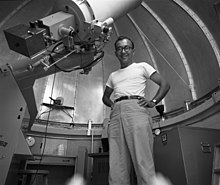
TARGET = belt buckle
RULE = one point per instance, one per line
(138, 97)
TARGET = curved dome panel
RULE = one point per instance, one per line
(179, 38)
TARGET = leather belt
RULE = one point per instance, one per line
(128, 98)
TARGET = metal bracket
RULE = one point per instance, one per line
(216, 96)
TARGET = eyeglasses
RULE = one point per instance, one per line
(125, 48)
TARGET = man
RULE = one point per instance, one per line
(130, 131)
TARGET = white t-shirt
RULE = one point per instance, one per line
(130, 80)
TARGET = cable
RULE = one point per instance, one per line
(95, 61)
(45, 134)
(75, 94)
(103, 85)
(43, 113)
(85, 67)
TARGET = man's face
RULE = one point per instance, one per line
(124, 52)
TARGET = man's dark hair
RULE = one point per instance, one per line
(122, 38)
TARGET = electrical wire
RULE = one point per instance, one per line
(85, 67)
(45, 133)
(75, 93)
(43, 113)
(103, 85)
(95, 61)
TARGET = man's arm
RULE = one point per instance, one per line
(164, 87)
(106, 97)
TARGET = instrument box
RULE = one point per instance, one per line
(185, 154)
(25, 40)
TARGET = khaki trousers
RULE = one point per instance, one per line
(130, 142)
